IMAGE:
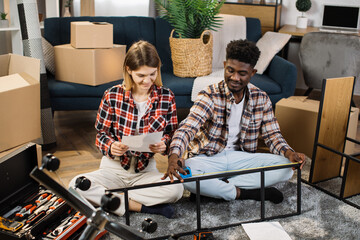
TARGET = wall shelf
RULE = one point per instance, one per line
(9, 29)
(269, 13)
(10, 6)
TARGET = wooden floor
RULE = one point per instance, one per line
(75, 134)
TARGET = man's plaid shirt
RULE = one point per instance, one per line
(117, 116)
(205, 130)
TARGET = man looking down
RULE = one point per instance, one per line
(222, 129)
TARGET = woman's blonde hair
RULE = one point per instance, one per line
(141, 53)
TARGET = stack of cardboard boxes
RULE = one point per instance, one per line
(91, 58)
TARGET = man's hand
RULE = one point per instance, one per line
(159, 147)
(296, 157)
(118, 149)
(174, 168)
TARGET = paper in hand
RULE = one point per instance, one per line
(140, 143)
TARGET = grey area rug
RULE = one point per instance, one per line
(322, 216)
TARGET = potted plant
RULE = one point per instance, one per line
(302, 6)
(192, 20)
(4, 23)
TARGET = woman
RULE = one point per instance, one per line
(139, 106)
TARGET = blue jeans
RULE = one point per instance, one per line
(233, 160)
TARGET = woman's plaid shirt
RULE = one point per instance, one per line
(117, 116)
(205, 130)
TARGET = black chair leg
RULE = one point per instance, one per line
(308, 91)
(353, 103)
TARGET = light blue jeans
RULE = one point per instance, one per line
(233, 160)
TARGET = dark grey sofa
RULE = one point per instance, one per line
(278, 80)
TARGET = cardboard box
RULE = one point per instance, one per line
(20, 120)
(91, 35)
(89, 66)
(297, 117)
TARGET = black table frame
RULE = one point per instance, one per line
(199, 178)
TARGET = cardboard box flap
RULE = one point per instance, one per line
(101, 23)
(81, 23)
(20, 64)
(4, 64)
(11, 82)
(90, 23)
(301, 102)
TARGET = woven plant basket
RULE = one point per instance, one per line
(192, 57)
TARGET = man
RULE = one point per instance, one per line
(222, 129)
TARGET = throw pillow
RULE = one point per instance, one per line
(269, 45)
(49, 59)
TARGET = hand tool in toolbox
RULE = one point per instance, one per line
(10, 225)
(26, 208)
(58, 229)
(98, 219)
(12, 211)
(43, 210)
(25, 212)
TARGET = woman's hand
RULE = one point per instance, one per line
(159, 147)
(118, 149)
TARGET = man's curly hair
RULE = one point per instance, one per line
(243, 51)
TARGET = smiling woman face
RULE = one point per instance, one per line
(143, 77)
(141, 67)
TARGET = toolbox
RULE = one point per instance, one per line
(27, 209)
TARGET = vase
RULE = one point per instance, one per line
(4, 23)
(67, 12)
(301, 22)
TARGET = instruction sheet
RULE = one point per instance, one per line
(141, 143)
(265, 231)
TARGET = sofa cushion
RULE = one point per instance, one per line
(49, 55)
(253, 29)
(75, 103)
(162, 33)
(178, 85)
(269, 45)
(265, 83)
(68, 89)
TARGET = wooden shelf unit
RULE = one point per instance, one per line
(10, 7)
(269, 13)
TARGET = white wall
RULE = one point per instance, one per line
(118, 8)
(289, 14)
